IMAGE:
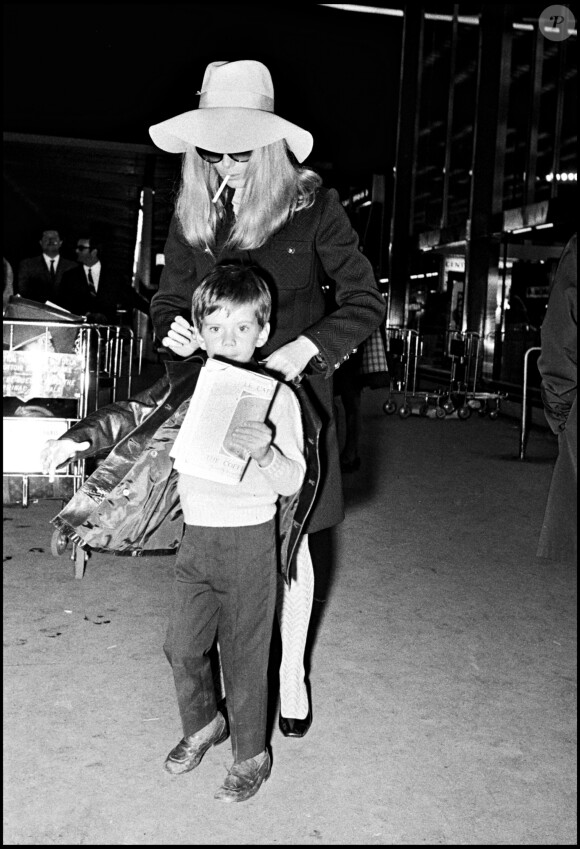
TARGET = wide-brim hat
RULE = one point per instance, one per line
(235, 113)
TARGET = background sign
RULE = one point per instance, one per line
(24, 440)
(39, 374)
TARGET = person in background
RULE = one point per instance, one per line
(558, 367)
(93, 290)
(39, 277)
(225, 574)
(245, 196)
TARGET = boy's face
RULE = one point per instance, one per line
(232, 332)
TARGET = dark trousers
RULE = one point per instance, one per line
(225, 584)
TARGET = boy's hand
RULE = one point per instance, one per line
(180, 337)
(58, 451)
(253, 438)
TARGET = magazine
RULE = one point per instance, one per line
(225, 396)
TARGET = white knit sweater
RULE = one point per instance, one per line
(253, 500)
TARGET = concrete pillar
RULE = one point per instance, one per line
(401, 225)
(482, 276)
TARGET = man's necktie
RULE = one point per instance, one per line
(52, 271)
(92, 288)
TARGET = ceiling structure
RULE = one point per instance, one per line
(83, 82)
(109, 71)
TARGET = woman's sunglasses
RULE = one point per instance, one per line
(211, 156)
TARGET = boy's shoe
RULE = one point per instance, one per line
(245, 779)
(189, 751)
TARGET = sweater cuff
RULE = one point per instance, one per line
(272, 454)
(284, 474)
(278, 465)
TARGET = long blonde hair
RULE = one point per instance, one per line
(276, 187)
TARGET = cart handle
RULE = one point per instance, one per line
(524, 423)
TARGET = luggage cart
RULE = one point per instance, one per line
(403, 354)
(454, 399)
(486, 403)
(73, 364)
(462, 397)
(111, 368)
(44, 361)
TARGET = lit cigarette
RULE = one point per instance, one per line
(221, 188)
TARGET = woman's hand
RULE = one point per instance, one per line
(291, 359)
(58, 451)
(181, 337)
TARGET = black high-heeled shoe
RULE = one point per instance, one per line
(295, 727)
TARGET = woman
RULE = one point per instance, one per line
(245, 197)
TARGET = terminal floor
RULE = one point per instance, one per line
(443, 670)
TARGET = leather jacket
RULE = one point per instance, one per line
(130, 505)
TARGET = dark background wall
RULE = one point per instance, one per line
(103, 73)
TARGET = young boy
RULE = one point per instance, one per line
(226, 569)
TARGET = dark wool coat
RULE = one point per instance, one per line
(74, 295)
(130, 504)
(33, 281)
(316, 248)
(558, 367)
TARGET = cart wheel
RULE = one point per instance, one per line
(404, 411)
(389, 407)
(464, 412)
(440, 412)
(493, 414)
(423, 409)
(58, 543)
(80, 558)
(481, 411)
(448, 407)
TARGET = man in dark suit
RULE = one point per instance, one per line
(92, 290)
(38, 277)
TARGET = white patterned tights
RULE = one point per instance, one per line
(294, 606)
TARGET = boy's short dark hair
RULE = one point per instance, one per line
(231, 285)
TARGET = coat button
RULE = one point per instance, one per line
(127, 492)
(154, 453)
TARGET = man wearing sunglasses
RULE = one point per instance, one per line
(94, 290)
